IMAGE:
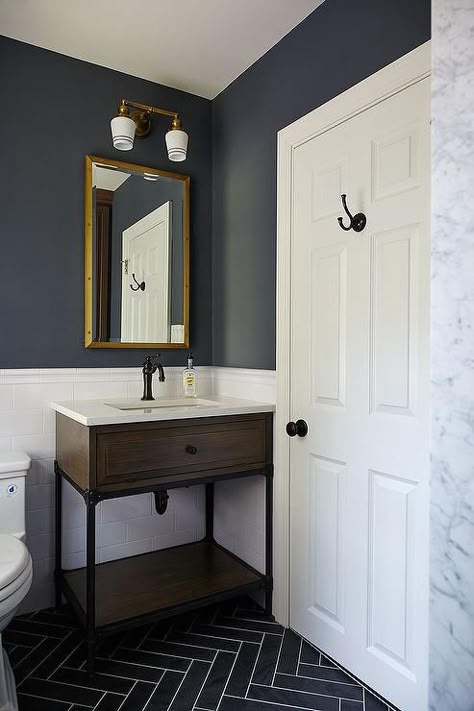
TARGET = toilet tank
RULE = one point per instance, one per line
(14, 467)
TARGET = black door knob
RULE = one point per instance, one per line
(299, 428)
(191, 450)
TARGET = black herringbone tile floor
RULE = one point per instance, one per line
(227, 658)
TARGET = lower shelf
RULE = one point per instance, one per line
(153, 582)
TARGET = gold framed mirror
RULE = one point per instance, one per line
(136, 272)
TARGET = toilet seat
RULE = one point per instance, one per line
(15, 565)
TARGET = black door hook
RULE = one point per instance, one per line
(358, 221)
(139, 285)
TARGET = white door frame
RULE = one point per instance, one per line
(406, 71)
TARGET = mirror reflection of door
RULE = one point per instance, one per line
(146, 254)
(137, 222)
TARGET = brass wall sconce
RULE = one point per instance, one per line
(128, 124)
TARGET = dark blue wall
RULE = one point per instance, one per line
(338, 45)
(55, 110)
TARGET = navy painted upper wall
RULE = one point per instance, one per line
(57, 110)
(338, 45)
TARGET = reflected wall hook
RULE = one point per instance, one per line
(139, 285)
(358, 221)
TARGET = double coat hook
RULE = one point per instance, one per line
(357, 222)
(139, 285)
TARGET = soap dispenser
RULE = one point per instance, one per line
(190, 378)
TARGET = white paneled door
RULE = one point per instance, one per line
(359, 377)
(146, 252)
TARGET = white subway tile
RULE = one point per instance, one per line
(124, 550)
(21, 422)
(39, 395)
(40, 446)
(177, 538)
(155, 525)
(73, 540)
(28, 392)
(57, 375)
(96, 390)
(110, 534)
(38, 598)
(6, 397)
(41, 472)
(125, 508)
(74, 509)
(6, 443)
(39, 496)
(49, 420)
(41, 546)
(39, 521)
(20, 375)
(91, 374)
(75, 560)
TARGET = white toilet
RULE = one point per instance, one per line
(16, 569)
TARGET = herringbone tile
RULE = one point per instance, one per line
(226, 658)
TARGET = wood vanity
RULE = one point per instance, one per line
(114, 460)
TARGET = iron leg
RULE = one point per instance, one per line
(210, 512)
(91, 503)
(58, 535)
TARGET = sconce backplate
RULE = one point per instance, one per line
(143, 123)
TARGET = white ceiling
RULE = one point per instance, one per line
(199, 46)
(108, 179)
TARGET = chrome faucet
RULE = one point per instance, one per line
(150, 366)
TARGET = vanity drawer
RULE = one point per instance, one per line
(181, 451)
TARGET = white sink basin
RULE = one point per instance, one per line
(155, 404)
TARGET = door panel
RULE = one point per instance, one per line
(393, 332)
(360, 378)
(328, 325)
(327, 540)
(390, 572)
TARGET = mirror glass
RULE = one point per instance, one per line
(137, 256)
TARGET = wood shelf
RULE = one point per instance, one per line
(153, 582)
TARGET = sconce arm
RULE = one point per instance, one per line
(148, 109)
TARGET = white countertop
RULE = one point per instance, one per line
(96, 412)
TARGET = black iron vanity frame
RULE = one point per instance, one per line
(87, 616)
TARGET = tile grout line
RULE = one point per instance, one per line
(127, 695)
(230, 674)
(272, 703)
(277, 661)
(205, 679)
(100, 700)
(178, 689)
(40, 662)
(303, 691)
(65, 659)
(315, 678)
(254, 667)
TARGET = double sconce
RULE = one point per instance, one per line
(128, 124)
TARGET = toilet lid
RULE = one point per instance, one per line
(12, 461)
(14, 558)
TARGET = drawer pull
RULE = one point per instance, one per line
(190, 449)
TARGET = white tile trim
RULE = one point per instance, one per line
(29, 392)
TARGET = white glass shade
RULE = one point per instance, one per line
(123, 132)
(176, 144)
